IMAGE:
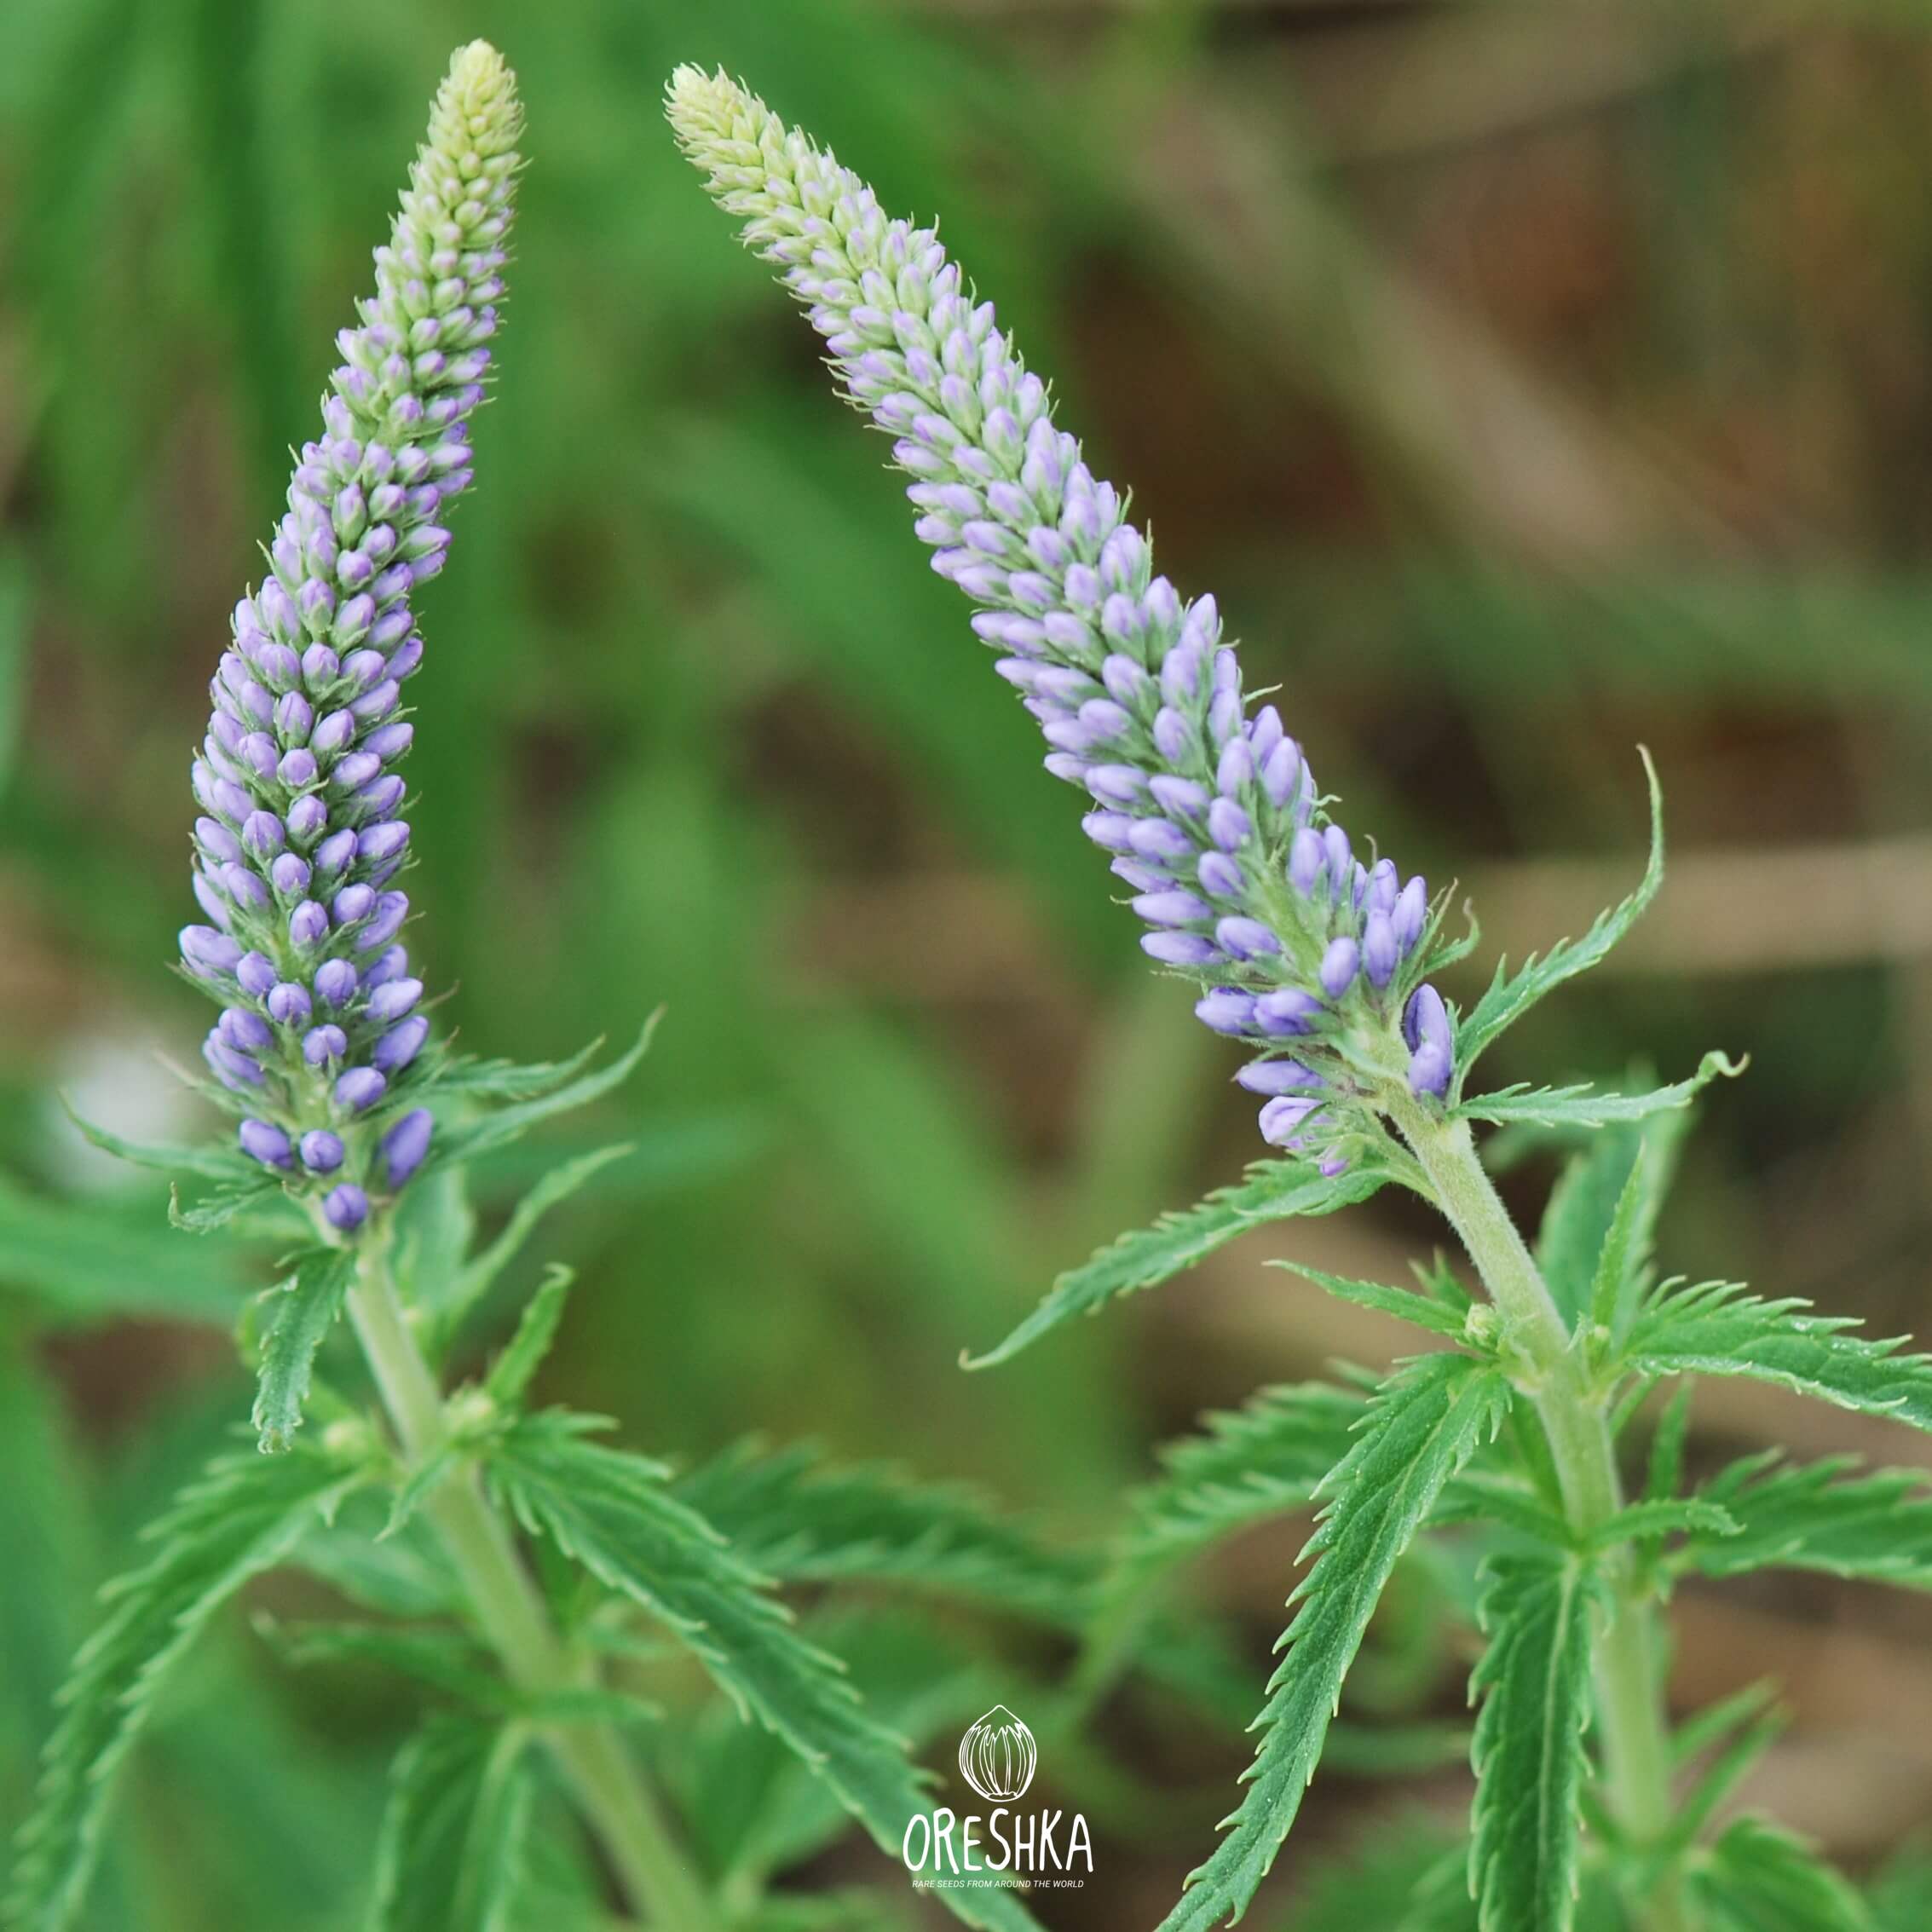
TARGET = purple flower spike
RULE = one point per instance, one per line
(1288, 1012)
(263, 1141)
(1429, 1069)
(1272, 1077)
(1305, 860)
(321, 1045)
(1202, 806)
(1282, 1121)
(1338, 967)
(289, 1005)
(360, 1089)
(1179, 949)
(400, 1044)
(1226, 1010)
(307, 703)
(406, 1143)
(1380, 955)
(334, 982)
(1411, 913)
(208, 952)
(1245, 938)
(345, 1208)
(1427, 1020)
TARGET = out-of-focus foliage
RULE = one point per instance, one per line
(1523, 386)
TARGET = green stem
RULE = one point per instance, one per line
(1630, 1708)
(514, 1617)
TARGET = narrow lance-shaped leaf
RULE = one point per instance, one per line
(243, 1517)
(1274, 1191)
(506, 1124)
(536, 1329)
(1508, 999)
(1424, 1422)
(1758, 1877)
(798, 1518)
(1822, 1516)
(613, 1514)
(1716, 1329)
(452, 1854)
(1405, 1304)
(306, 1307)
(1261, 1460)
(1534, 1680)
(1585, 1106)
(475, 1280)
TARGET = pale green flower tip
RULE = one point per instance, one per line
(711, 113)
(478, 110)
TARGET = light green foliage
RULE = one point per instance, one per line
(1274, 1191)
(788, 1514)
(532, 1094)
(305, 1306)
(1403, 1878)
(242, 1518)
(1585, 1107)
(536, 1329)
(1571, 1242)
(1534, 1680)
(1716, 1329)
(453, 1854)
(1510, 996)
(1261, 1460)
(1817, 1516)
(1405, 1304)
(1759, 1879)
(1424, 1423)
(613, 1514)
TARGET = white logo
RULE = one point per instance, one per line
(997, 1756)
(954, 1851)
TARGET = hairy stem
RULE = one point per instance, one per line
(1630, 1710)
(514, 1617)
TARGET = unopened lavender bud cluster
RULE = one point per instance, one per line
(1209, 811)
(302, 839)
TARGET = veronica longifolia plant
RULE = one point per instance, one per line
(1323, 965)
(354, 1127)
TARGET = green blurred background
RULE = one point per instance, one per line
(1528, 381)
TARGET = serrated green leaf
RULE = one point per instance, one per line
(1663, 1473)
(1272, 1191)
(1424, 1423)
(1508, 999)
(536, 1329)
(442, 1659)
(498, 1129)
(475, 1280)
(504, 1079)
(86, 1261)
(1534, 1682)
(218, 1210)
(1405, 1304)
(1758, 1877)
(306, 1307)
(1663, 1516)
(1716, 1329)
(1261, 1460)
(1623, 1267)
(213, 1160)
(1383, 1882)
(613, 1514)
(798, 1520)
(405, 1574)
(241, 1518)
(452, 1851)
(1585, 1106)
(1824, 1516)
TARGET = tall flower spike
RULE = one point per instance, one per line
(300, 842)
(1208, 811)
